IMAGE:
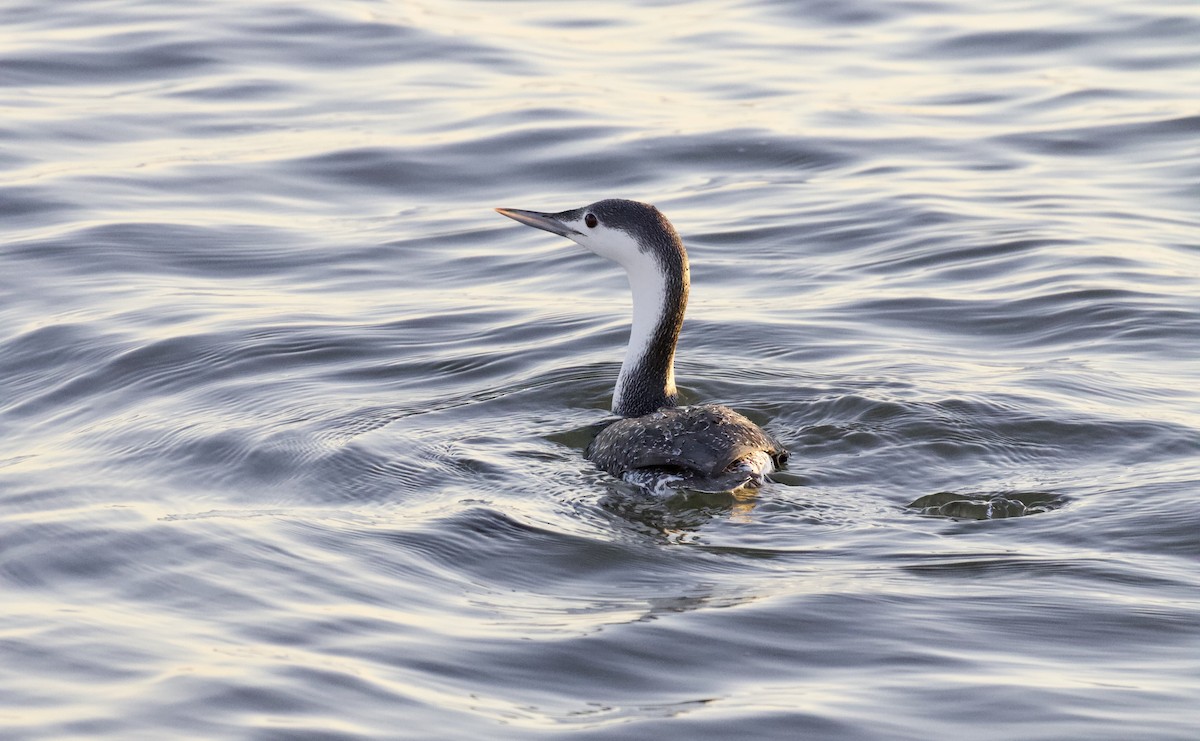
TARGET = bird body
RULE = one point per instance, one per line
(705, 447)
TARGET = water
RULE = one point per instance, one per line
(291, 423)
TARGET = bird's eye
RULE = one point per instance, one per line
(591, 221)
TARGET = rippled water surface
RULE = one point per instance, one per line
(291, 423)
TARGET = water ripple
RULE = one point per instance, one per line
(294, 424)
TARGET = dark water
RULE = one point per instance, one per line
(291, 422)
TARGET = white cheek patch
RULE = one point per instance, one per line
(614, 244)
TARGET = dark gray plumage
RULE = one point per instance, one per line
(705, 447)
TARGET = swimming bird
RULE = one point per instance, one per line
(657, 444)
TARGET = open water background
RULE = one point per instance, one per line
(291, 423)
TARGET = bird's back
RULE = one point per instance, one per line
(707, 447)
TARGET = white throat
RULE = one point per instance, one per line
(648, 285)
(656, 265)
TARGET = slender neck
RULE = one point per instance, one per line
(660, 285)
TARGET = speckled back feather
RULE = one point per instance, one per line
(704, 440)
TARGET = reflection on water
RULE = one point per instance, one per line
(987, 506)
(292, 428)
(681, 513)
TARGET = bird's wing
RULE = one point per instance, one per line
(705, 439)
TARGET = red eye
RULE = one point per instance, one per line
(591, 221)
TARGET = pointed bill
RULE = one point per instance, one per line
(539, 220)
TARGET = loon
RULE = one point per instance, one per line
(656, 444)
